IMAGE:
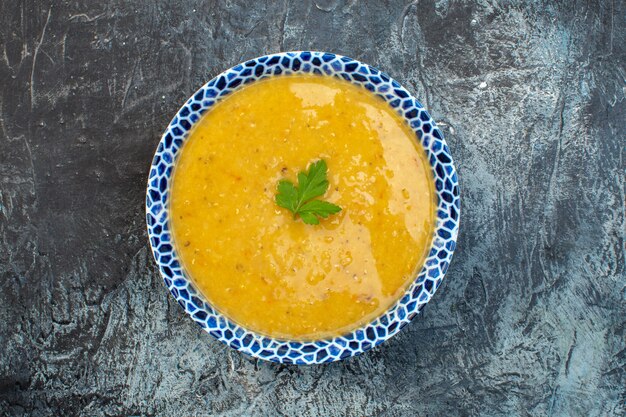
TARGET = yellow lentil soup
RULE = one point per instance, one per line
(267, 270)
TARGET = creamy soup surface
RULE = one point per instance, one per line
(272, 273)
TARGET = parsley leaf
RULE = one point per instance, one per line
(299, 200)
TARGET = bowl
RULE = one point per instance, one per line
(419, 292)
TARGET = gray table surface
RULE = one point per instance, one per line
(531, 319)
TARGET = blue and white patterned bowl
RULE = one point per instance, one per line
(418, 293)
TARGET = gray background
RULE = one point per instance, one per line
(531, 317)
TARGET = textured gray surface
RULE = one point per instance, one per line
(531, 318)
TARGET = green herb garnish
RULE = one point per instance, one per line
(299, 200)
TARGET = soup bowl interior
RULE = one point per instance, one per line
(428, 277)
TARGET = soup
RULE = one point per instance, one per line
(257, 263)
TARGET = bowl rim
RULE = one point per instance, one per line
(417, 294)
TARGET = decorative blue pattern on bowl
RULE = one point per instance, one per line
(418, 293)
